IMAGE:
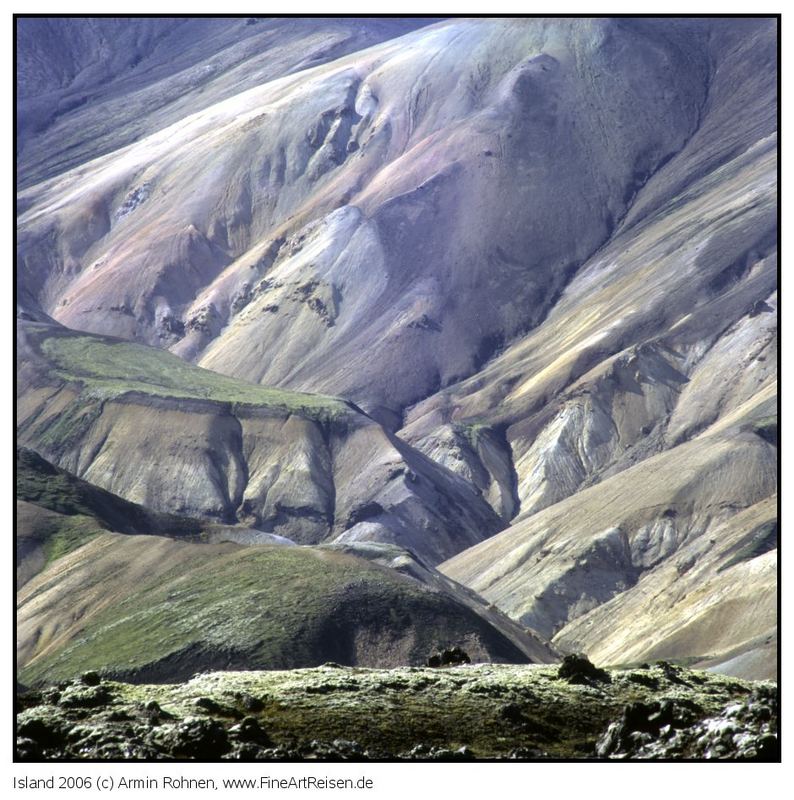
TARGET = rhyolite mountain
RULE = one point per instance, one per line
(88, 86)
(501, 292)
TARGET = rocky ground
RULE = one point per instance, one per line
(463, 712)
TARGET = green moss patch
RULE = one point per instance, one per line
(73, 533)
(109, 368)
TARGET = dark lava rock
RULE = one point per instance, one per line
(250, 703)
(577, 668)
(249, 730)
(675, 728)
(449, 657)
(642, 679)
(348, 748)
(82, 696)
(652, 717)
(28, 750)
(29, 699)
(153, 714)
(212, 707)
(423, 752)
(671, 673)
(527, 754)
(511, 712)
(339, 749)
(194, 738)
(443, 754)
(90, 678)
(43, 731)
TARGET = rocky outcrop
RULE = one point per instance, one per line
(745, 730)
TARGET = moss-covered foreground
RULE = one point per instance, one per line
(478, 711)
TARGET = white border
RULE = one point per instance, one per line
(508, 781)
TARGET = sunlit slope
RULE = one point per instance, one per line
(673, 558)
(57, 512)
(87, 86)
(412, 205)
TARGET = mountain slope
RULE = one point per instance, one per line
(666, 559)
(89, 86)
(536, 257)
(142, 424)
(40, 483)
(459, 152)
(657, 365)
(57, 512)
